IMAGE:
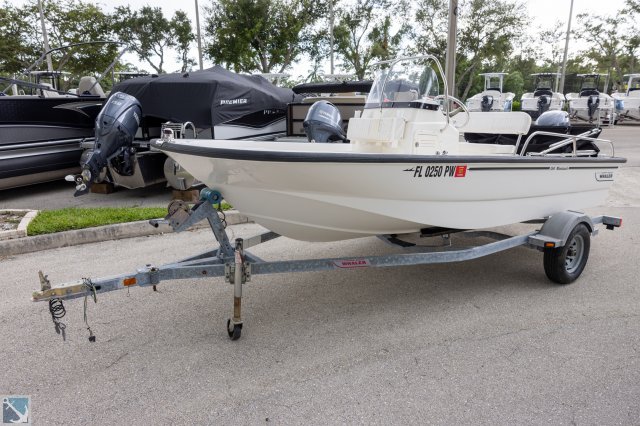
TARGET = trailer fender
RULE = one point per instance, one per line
(556, 229)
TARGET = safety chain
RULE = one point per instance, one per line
(221, 215)
(57, 310)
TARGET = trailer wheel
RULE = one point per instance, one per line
(564, 265)
(234, 330)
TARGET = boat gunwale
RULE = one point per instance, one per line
(360, 157)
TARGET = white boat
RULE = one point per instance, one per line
(406, 168)
(543, 98)
(589, 104)
(628, 103)
(492, 98)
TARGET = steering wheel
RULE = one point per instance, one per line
(456, 111)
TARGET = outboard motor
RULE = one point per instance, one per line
(558, 119)
(544, 102)
(486, 103)
(116, 126)
(593, 103)
(323, 123)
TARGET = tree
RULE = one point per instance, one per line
(17, 49)
(67, 22)
(260, 35)
(606, 45)
(487, 32)
(183, 36)
(365, 33)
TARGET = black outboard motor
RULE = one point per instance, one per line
(323, 123)
(593, 103)
(116, 126)
(486, 103)
(544, 102)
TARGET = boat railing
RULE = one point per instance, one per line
(567, 140)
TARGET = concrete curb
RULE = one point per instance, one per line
(21, 230)
(97, 234)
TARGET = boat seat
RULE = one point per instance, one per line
(588, 92)
(507, 123)
(49, 93)
(541, 92)
(88, 86)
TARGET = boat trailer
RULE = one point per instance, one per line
(564, 238)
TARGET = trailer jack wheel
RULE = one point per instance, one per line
(563, 265)
(234, 330)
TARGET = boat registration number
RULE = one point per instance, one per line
(438, 171)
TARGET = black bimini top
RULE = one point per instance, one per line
(341, 157)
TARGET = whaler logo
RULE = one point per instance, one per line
(239, 101)
(604, 176)
(356, 263)
(438, 171)
(15, 409)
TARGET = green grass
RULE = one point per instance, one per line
(50, 221)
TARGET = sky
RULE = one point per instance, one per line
(543, 14)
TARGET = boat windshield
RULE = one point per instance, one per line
(544, 82)
(590, 82)
(402, 84)
(493, 82)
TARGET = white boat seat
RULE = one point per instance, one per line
(506, 123)
(89, 86)
(49, 93)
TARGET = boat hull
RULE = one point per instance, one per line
(40, 137)
(311, 195)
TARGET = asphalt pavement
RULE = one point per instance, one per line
(488, 341)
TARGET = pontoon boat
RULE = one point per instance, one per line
(42, 126)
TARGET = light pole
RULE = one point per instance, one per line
(566, 50)
(198, 30)
(45, 37)
(450, 64)
(331, 17)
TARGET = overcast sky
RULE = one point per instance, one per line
(543, 13)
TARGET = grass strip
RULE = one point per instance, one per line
(50, 221)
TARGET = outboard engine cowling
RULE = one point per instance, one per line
(486, 103)
(558, 119)
(593, 103)
(323, 123)
(116, 126)
(544, 102)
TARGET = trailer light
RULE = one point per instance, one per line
(550, 244)
(129, 281)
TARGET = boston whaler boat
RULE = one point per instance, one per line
(628, 103)
(543, 98)
(492, 98)
(589, 103)
(406, 168)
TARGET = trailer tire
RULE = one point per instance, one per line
(563, 265)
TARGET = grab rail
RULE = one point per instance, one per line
(569, 139)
